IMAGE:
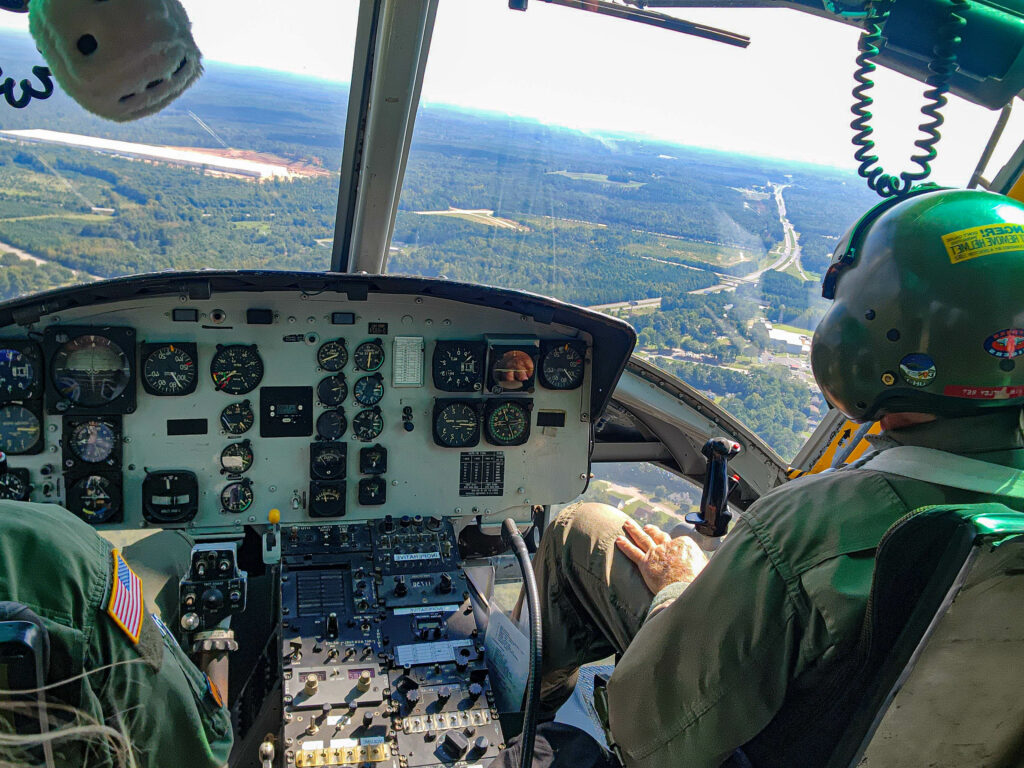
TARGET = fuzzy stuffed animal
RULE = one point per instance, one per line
(120, 59)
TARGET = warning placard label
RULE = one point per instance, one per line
(983, 241)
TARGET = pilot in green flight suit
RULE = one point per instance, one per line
(924, 333)
(136, 679)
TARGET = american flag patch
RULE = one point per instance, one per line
(125, 606)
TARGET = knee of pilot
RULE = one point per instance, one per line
(579, 526)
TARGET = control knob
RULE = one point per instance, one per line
(455, 744)
(401, 590)
(446, 584)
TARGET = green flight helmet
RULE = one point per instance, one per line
(928, 308)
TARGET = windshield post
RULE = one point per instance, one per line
(387, 76)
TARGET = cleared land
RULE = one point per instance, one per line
(478, 216)
(599, 178)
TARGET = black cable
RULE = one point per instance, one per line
(510, 535)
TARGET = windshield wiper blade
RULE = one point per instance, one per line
(661, 20)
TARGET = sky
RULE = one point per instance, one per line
(787, 95)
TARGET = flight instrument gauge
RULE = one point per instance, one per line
(332, 355)
(237, 497)
(237, 418)
(373, 460)
(456, 423)
(368, 424)
(236, 458)
(332, 390)
(14, 485)
(458, 366)
(561, 365)
(369, 356)
(20, 430)
(95, 498)
(169, 370)
(372, 491)
(20, 373)
(327, 461)
(236, 369)
(326, 499)
(93, 441)
(369, 390)
(331, 425)
(507, 422)
(512, 368)
(91, 370)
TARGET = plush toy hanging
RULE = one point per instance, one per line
(120, 59)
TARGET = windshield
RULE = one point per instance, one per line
(695, 189)
(692, 188)
(241, 171)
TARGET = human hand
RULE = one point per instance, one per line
(661, 559)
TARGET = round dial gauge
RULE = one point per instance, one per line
(368, 424)
(328, 462)
(331, 424)
(332, 355)
(169, 370)
(372, 490)
(91, 370)
(457, 425)
(369, 356)
(237, 497)
(236, 458)
(17, 375)
(93, 441)
(369, 390)
(458, 365)
(236, 369)
(12, 487)
(20, 429)
(332, 390)
(95, 499)
(237, 418)
(508, 423)
(562, 367)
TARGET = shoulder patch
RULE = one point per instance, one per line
(125, 606)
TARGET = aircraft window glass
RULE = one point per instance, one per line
(645, 492)
(244, 173)
(694, 189)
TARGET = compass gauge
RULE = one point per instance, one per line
(507, 422)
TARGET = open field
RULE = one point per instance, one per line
(599, 178)
(477, 216)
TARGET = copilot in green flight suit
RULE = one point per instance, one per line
(706, 667)
(62, 570)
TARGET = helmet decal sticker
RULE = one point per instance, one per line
(983, 393)
(918, 369)
(983, 241)
(1008, 343)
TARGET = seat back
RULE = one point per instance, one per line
(944, 645)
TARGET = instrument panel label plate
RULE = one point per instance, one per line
(482, 473)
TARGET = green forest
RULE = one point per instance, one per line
(582, 218)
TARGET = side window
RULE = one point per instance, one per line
(645, 492)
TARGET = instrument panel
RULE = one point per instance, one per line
(161, 404)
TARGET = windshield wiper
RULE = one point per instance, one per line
(643, 16)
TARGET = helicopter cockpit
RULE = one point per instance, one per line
(354, 361)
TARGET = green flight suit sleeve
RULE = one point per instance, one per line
(709, 670)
